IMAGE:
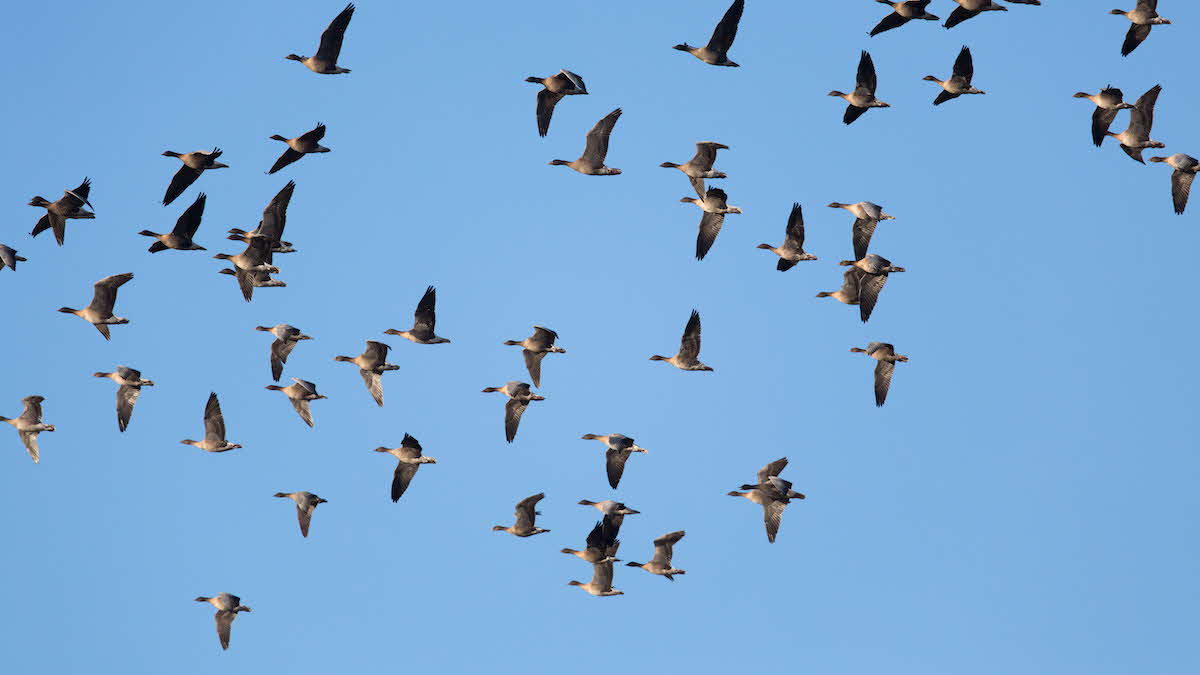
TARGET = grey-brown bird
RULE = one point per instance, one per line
(306, 504)
(228, 606)
(519, 396)
(304, 144)
(194, 164)
(324, 62)
(68, 207)
(104, 296)
(525, 518)
(409, 459)
(181, 236)
(29, 424)
(130, 383)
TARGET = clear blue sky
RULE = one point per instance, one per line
(1024, 503)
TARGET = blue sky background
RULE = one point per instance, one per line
(1025, 502)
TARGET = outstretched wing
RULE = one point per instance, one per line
(726, 30)
(596, 148)
(331, 38)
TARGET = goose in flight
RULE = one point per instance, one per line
(602, 544)
(214, 429)
(791, 251)
(772, 495)
(850, 292)
(69, 206)
(866, 216)
(713, 204)
(324, 62)
(424, 322)
(902, 13)
(1141, 118)
(554, 88)
(689, 347)
(99, 312)
(700, 166)
(1181, 178)
(959, 82)
(372, 364)
(306, 503)
(194, 164)
(886, 357)
(716, 52)
(9, 258)
(300, 394)
(409, 459)
(130, 383)
(535, 348)
(519, 396)
(29, 424)
(664, 549)
(591, 162)
(1144, 17)
(863, 96)
(285, 341)
(526, 516)
(306, 143)
(180, 237)
(1108, 102)
(876, 270)
(969, 9)
(228, 607)
(619, 448)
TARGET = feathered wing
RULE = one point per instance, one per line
(425, 316)
(214, 420)
(526, 513)
(374, 382)
(401, 478)
(852, 113)
(596, 148)
(710, 227)
(958, 16)
(1181, 187)
(861, 233)
(614, 465)
(689, 345)
(127, 396)
(512, 417)
(726, 29)
(1136, 35)
(280, 349)
(546, 100)
(286, 158)
(189, 221)
(869, 287)
(225, 619)
(1102, 119)
(772, 469)
(866, 72)
(772, 515)
(944, 96)
(888, 22)
(533, 363)
(181, 181)
(331, 37)
(304, 515)
(30, 440)
(883, 380)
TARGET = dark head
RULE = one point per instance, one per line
(202, 599)
(633, 564)
(170, 153)
(67, 310)
(573, 583)
(534, 79)
(824, 294)
(274, 387)
(1081, 94)
(281, 494)
(227, 271)
(498, 528)
(559, 162)
(858, 350)
(685, 47)
(277, 137)
(39, 201)
(569, 550)
(1120, 12)
(669, 165)
(489, 390)
(511, 343)
(687, 200)
(581, 502)
(845, 263)
(766, 246)
(835, 92)
(1158, 159)
(382, 449)
(931, 79)
(342, 358)
(294, 57)
(735, 493)
(588, 437)
(656, 357)
(222, 256)
(835, 205)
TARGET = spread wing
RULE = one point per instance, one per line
(772, 469)
(275, 215)
(863, 230)
(664, 547)
(1102, 119)
(852, 113)
(726, 30)
(1136, 35)
(883, 380)
(30, 440)
(512, 417)
(1181, 187)
(772, 515)
(425, 317)
(710, 227)
(794, 234)
(1141, 116)
(214, 421)
(869, 287)
(614, 464)
(546, 100)
(374, 382)
(127, 396)
(706, 155)
(105, 292)
(331, 39)
(533, 363)
(526, 512)
(866, 72)
(964, 66)
(225, 619)
(597, 139)
(304, 515)
(959, 15)
(182, 179)
(403, 476)
(313, 135)
(889, 22)
(280, 349)
(79, 196)
(303, 410)
(689, 346)
(286, 158)
(189, 222)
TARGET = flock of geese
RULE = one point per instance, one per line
(863, 280)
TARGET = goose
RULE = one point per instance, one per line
(214, 429)
(410, 459)
(959, 82)
(304, 144)
(689, 347)
(715, 207)
(1141, 118)
(99, 312)
(1108, 102)
(248, 281)
(519, 396)
(609, 507)
(866, 216)
(535, 348)
(372, 363)
(69, 206)
(968, 9)
(194, 164)
(876, 270)
(863, 96)
(602, 544)
(324, 62)
(595, 149)
(554, 88)
(886, 356)
(424, 321)
(700, 166)
(716, 52)
(526, 516)
(29, 424)
(850, 292)
(1185, 167)
(180, 237)
(300, 394)
(902, 13)
(228, 607)
(255, 258)
(660, 564)
(791, 251)
(130, 383)
(285, 341)
(274, 219)
(766, 494)
(306, 503)
(602, 576)
(1144, 17)
(9, 258)
(620, 447)
(245, 237)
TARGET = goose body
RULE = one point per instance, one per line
(1143, 16)
(194, 164)
(306, 504)
(791, 251)
(862, 98)
(1109, 101)
(687, 358)
(525, 518)
(181, 237)
(228, 607)
(29, 424)
(372, 364)
(902, 13)
(886, 359)
(104, 297)
(68, 207)
(409, 458)
(519, 396)
(300, 394)
(716, 52)
(424, 322)
(129, 388)
(664, 550)
(619, 449)
(214, 429)
(554, 88)
(324, 62)
(700, 166)
(535, 348)
(713, 204)
(595, 151)
(306, 143)
(1185, 167)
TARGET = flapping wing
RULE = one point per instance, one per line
(883, 380)
(533, 363)
(664, 547)
(425, 317)
(1181, 187)
(225, 619)
(245, 282)
(303, 410)
(105, 292)
(959, 15)
(374, 382)
(546, 100)
(869, 287)
(127, 396)
(794, 234)
(944, 96)
(214, 421)
(1102, 119)
(706, 155)
(512, 417)
(30, 441)
(286, 158)
(1136, 35)
(726, 30)
(852, 113)
(331, 39)
(79, 196)
(710, 227)
(182, 179)
(772, 469)
(889, 22)
(280, 349)
(863, 230)
(614, 464)
(189, 222)
(597, 139)
(526, 512)
(1141, 116)
(313, 135)
(403, 476)
(304, 515)
(275, 215)
(866, 72)
(772, 515)
(964, 66)
(689, 346)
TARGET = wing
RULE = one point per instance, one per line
(883, 380)
(772, 515)
(698, 186)
(331, 39)
(245, 282)
(279, 356)
(286, 158)
(1181, 187)
(726, 30)
(189, 222)
(59, 225)
(104, 294)
(958, 16)
(1135, 153)
(602, 574)
(889, 22)
(403, 476)
(425, 318)
(1136, 35)
(1102, 119)
(546, 100)
(127, 396)
(545, 335)
(794, 234)
(706, 155)
(861, 233)
(214, 421)
(303, 410)
(689, 346)
(313, 135)
(710, 227)
(614, 464)
(1141, 116)
(32, 410)
(664, 547)
(374, 382)
(869, 287)
(1151, 5)
(182, 179)
(275, 215)
(512, 417)
(304, 515)
(526, 512)
(43, 224)
(852, 113)
(224, 623)
(964, 65)
(29, 439)
(784, 265)
(597, 139)
(79, 196)
(772, 469)
(944, 96)
(533, 363)
(866, 72)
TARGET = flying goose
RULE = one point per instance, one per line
(180, 237)
(554, 88)
(535, 348)
(324, 62)
(689, 347)
(519, 396)
(619, 449)
(306, 503)
(591, 162)
(613, 512)
(252, 267)
(1144, 16)
(866, 216)
(850, 292)
(886, 356)
(69, 206)
(1108, 102)
(526, 515)
(304, 144)
(372, 363)
(714, 206)
(9, 258)
(99, 312)
(228, 607)
(700, 166)
(870, 285)
(602, 576)
(248, 281)
(768, 494)
(245, 237)
(130, 383)
(273, 221)
(863, 96)
(1141, 118)
(959, 82)
(902, 13)
(29, 424)
(285, 341)
(664, 548)
(424, 321)
(716, 52)
(602, 544)
(968, 9)
(214, 429)
(300, 394)
(791, 251)
(194, 164)
(410, 459)
(1181, 179)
